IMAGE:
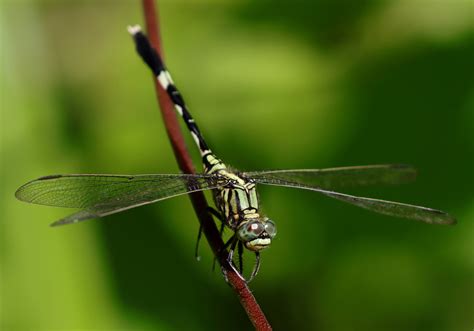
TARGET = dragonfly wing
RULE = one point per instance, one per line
(101, 195)
(334, 178)
(397, 209)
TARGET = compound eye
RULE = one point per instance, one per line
(255, 228)
(270, 228)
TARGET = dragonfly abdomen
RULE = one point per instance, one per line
(212, 164)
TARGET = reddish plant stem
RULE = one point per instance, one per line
(198, 200)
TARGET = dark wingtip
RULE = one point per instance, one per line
(444, 218)
(50, 177)
(450, 220)
(62, 222)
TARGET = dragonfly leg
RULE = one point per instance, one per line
(232, 242)
(221, 231)
(241, 260)
(230, 257)
(224, 273)
(218, 215)
(214, 212)
(196, 250)
(256, 267)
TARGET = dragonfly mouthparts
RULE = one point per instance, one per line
(259, 243)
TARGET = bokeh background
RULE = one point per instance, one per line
(274, 85)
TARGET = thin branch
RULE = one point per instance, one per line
(198, 200)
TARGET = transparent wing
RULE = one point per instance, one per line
(101, 195)
(334, 178)
(391, 208)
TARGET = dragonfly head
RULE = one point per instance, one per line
(257, 234)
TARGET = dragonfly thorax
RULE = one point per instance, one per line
(237, 200)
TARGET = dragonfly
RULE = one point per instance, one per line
(237, 204)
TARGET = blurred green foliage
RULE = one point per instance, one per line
(273, 84)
